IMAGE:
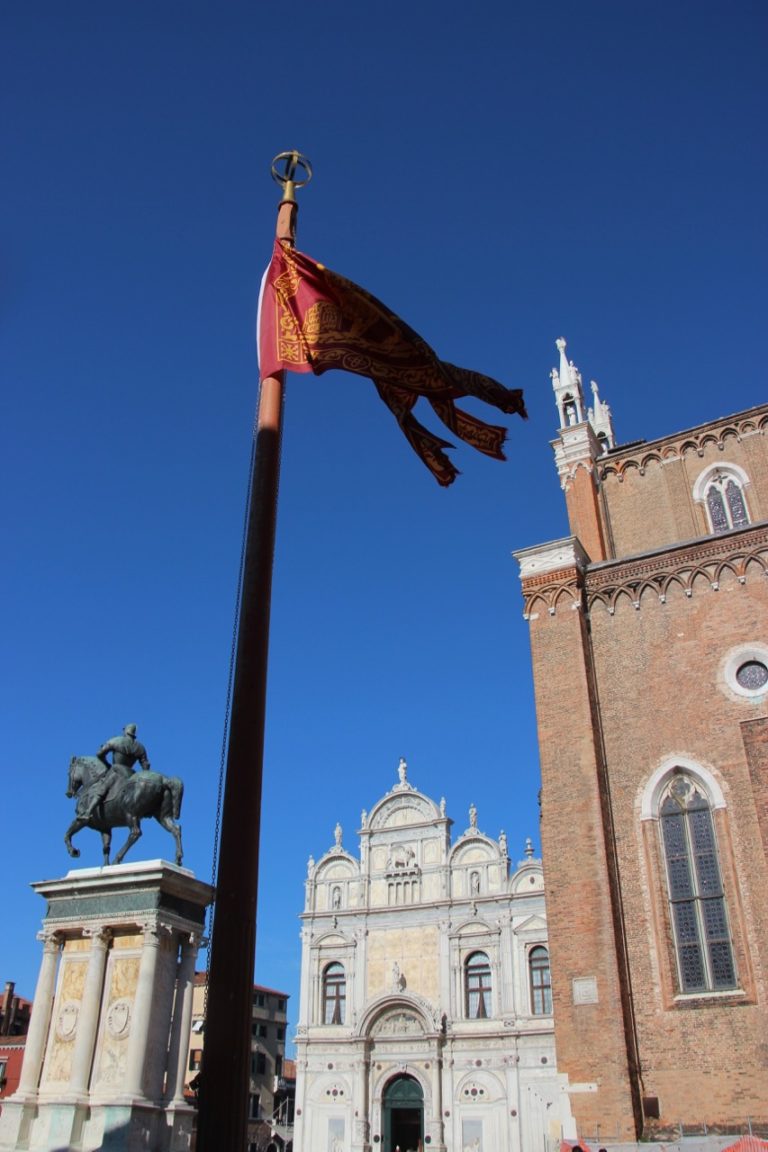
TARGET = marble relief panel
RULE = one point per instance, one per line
(115, 1029)
(432, 851)
(61, 1040)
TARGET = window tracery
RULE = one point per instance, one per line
(723, 494)
(694, 888)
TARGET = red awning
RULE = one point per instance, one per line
(748, 1144)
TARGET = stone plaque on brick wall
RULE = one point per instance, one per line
(585, 990)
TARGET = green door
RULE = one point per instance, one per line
(403, 1115)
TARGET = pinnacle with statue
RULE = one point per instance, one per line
(111, 794)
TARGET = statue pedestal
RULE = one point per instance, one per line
(109, 1033)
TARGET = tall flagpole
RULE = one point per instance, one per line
(225, 1080)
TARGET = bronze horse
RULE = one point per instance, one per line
(133, 796)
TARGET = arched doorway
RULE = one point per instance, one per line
(403, 1115)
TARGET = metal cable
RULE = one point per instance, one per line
(228, 714)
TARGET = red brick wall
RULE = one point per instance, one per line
(630, 680)
(590, 1038)
(647, 489)
(661, 696)
(584, 515)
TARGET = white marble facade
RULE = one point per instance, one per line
(425, 1011)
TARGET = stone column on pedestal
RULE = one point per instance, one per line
(133, 1083)
(40, 1022)
(90, 1008)
(182, 1020)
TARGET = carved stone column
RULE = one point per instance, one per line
(40, 1022)
(88, 1015)
(133, 1085)
(434, 1126)
(182, 1020)
(361, 1127)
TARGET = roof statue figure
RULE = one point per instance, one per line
(473, 817)
(113, 795)
(337, 834)
(402, 778)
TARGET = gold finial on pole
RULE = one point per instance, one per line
(286, 175)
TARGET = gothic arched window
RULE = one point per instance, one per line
(695, 889)
(334, 994)
(541, 981)
(477, 986)
(726, 506)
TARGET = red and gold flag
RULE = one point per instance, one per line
(312, 319)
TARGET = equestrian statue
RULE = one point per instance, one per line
(113, 795)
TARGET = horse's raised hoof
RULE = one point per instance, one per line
(73, 851)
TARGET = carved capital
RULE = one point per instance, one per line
(99, 935)
(51, 938)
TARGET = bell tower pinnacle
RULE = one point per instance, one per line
(568, 391)
(583, 436)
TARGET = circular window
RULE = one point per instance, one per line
(744, 671)
(752, 675)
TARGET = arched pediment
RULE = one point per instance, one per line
(477, 849)
(535, 924)
(337, 865)
(330, 1087)
(474, 928)
(401, 808)
(399, 1021)
(527, 880)
(330, 940)
(479, 1088)
(399, 1014)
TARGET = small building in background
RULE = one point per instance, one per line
(15, 1012)
(270, 1115)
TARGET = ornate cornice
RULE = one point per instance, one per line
(552, 575)
(693, 566)
(717, 434)
(576, 447)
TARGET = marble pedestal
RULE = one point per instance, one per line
(109, 1033)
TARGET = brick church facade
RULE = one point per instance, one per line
(649, 641)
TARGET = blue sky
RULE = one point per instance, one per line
(500, 174)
